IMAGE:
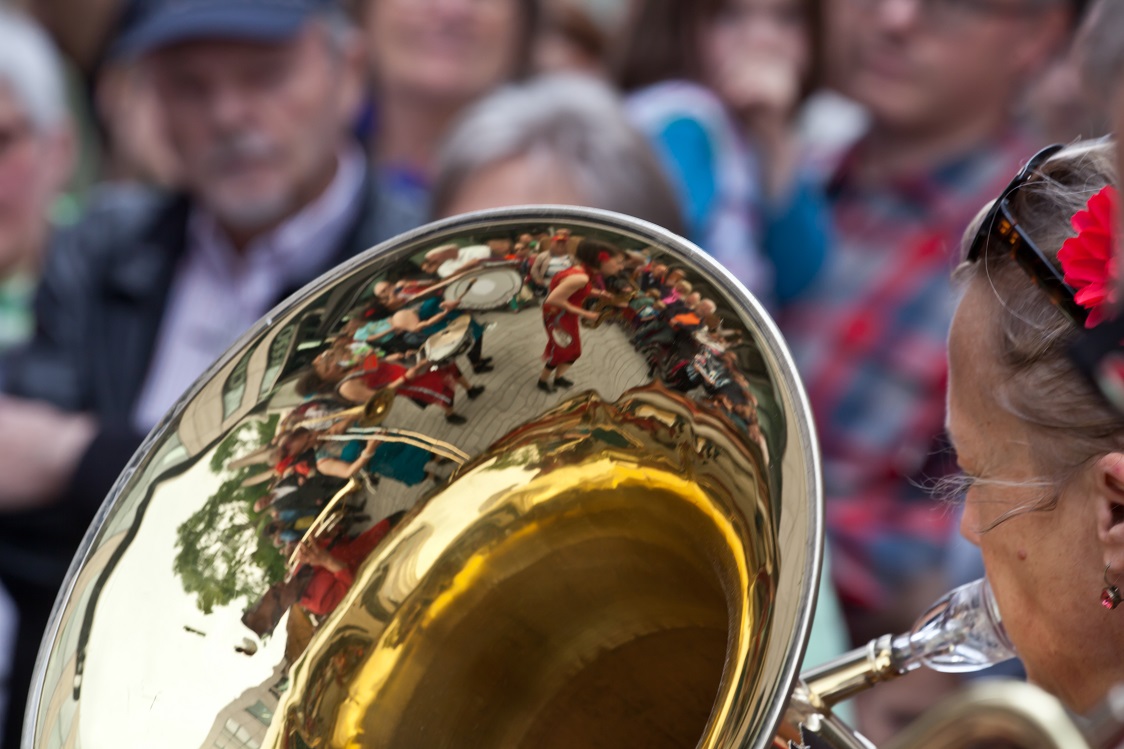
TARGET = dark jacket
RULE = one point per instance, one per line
(98, 311)
(100, 308)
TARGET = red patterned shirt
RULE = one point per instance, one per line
(870, 344)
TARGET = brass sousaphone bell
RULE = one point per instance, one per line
(632, 561)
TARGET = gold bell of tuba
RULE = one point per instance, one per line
(338, 541)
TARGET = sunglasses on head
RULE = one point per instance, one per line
(1000, 230)
(1098, 353)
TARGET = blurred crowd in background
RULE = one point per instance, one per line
(171, 169)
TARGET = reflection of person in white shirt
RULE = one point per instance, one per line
(448, 260)
(555, 259)
(555, 265)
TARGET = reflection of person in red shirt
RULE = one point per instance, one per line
(334, 568)
(562, 308)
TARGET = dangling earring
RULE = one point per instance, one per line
(1110, 596)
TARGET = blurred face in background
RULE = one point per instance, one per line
(444, 50)
(921, 65)
(34, 166)
(257, 126)
(767, 41)
(570, 40)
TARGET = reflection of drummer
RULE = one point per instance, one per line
(562, 309)
(434, 315)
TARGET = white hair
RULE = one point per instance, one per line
(579, 123)
(31, 69)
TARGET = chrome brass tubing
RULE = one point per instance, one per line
(807, 717)
(853, 672)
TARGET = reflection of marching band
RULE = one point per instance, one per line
(404, 338)
(331, 453)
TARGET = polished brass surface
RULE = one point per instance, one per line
(989, 714)
(628, 562)
(996, 715)
(585, 605)
(851, 673)
(808, 719)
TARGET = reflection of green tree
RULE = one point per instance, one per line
(221, 555)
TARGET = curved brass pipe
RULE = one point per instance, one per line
(998, 715)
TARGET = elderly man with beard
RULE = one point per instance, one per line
(138, 300)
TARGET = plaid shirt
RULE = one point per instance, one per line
(870, 344)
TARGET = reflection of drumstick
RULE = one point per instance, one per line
(441, 285)
(467, 289)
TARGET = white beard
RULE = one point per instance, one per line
(247, 215)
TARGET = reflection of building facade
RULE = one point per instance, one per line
(252, 378)
(242, 724)
(241, 386)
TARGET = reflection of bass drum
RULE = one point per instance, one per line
(450, 342)
(487, 288)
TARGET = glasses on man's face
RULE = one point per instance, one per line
(946, 14)
(1000, 231)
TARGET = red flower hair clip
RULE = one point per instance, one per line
(1089, 259)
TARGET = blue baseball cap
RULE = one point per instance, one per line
(151, 24)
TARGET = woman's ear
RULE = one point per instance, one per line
(1109, 488)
